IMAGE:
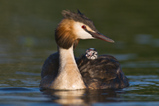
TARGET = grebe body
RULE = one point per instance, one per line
(62, 71)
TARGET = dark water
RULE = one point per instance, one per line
(27, 39)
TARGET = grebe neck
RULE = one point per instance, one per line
(69, 77)
(67, 61)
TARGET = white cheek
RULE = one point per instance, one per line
(81, 33)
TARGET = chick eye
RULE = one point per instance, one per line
(83, 26)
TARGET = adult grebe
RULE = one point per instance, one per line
(62, 72)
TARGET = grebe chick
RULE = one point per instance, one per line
(62, 71)
(91, 53)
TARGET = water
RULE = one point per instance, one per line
(27, 39)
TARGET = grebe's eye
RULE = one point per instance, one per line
(83, 26)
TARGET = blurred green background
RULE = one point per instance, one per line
(27, 34)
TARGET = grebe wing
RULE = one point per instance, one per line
(103, 67)
(49, 70)
(102, 73)
(51, 65)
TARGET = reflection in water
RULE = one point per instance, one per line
(81, 97)
(65, 97)
(92, 96)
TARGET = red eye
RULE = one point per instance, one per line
(83, 26)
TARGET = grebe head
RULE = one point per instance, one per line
(75, 26)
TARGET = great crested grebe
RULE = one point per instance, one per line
(61, 71)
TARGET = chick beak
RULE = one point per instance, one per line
(101, 36)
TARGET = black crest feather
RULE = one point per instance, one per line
(79, 17)
(79, 12)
